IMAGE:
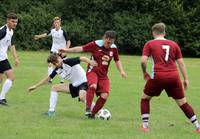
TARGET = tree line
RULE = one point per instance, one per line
(87, 20)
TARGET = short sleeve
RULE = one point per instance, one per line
(178, 52)
(54, 73)
(49, 32)
(2, 32)
(65, 35)
(72, 61)
(146, 50)
(90, 47)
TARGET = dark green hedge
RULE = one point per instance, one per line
(87, 20)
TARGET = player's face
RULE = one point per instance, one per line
(12, 23)
(58, 63)
(108, 42)
(56, 24)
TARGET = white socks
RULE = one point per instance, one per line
(193, 119)
(50, 70)
(53, 100)
(6, 86)
(145, 120)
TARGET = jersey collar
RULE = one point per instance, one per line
(160, 38)
(100, 43)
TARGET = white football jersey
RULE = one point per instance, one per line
(72, 71)
(5, 41)
(59, 38)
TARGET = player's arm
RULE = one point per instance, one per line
(68, 44)
(87, 60)
(182, 68)
(77, 60)
(40, 83)
(72, 50)
(120, 68)
(14, 53)
(37, 37)
(144, 67)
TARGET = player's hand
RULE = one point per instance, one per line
(146, 76)
(185, 84)
(123, 74)
(36, 37)
(62, 55)
(30, 89)
(93, 63)
(62, 50)
(17, 62)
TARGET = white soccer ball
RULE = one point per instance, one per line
(104, 114)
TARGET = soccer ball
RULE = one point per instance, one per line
(104, 114)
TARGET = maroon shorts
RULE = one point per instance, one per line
(170, 82)
(103, 84)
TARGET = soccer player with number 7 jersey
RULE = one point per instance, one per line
(165, 53)
(102, 52)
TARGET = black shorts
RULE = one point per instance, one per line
(74, 91)
(4, 66)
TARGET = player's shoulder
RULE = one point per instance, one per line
(4, 27)
(172, 42)
(3, 31)
(100, 43)
(62, 29)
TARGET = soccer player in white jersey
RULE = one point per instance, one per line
(6, 41)
(59, 37)
(69, 69)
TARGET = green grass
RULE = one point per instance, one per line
(23, 118)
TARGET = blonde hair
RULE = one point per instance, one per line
(158, 28)
(56, 18)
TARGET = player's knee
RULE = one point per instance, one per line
(93, 86)
(104, 95)
(55, 88)
(11, 78)
(182, 101)
(144, 96)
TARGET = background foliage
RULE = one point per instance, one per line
(87, 20)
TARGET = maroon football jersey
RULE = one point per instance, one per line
(98, 53)
(164, 54)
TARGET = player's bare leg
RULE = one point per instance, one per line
(189, 112)
(64, 88)
(6, 86)
(145, 112)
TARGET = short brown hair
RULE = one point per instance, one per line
(12, 16)
(158, 28)
(52, 58)
(110, 34)
(56, 18)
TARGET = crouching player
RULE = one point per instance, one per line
(69, 69)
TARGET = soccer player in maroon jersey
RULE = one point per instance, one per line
(165, 53)
(102, 52)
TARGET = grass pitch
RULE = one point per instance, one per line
(23, 119)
